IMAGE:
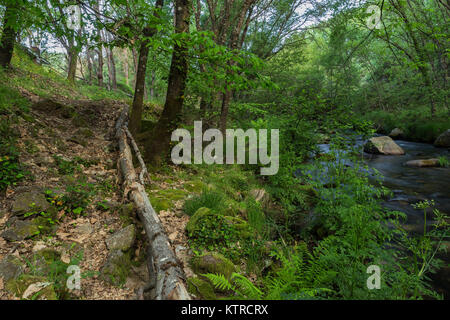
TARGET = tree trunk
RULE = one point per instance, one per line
(8, 36)
(126, 66)
(89, 65)
(138, 101)
(100, 66)
(158, 146)
(224, 112)
(72, 67)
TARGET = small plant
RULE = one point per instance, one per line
(78, 196)
(444, 162)
(208, 199)
(10, 171)
(238, 284)
(66, 167)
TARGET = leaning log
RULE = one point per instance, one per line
(169, 276)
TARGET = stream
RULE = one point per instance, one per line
(411, 185)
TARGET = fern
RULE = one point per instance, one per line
(238, 284)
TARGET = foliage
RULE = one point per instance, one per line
(209, 199)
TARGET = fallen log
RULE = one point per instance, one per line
(169, 276)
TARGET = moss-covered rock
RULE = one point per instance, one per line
(19, 287)
(240, 225)
(201, 288)
(195, 186)
(10, 268)
(20, 230)
(126, 213)
(116, 268)
(122, 239)
(200, 214)
(213, 263)
(164, 199)
(29, 201)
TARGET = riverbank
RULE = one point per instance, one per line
(416, 124)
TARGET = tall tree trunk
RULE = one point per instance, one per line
(89, 65)
(100, 66)
(138, 101)
(152, 85)
(126, 66)
(8, 37)
(72, 63)
(158, 146)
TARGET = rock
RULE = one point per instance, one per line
(443, 140)
(213, 263)
(397, 133)
(200, 214)
(123, 239)
(29, 202)
(423, 163)
(383, 145)
(201, 288)
(10, 268)
(116, 268)
(84, 229)
(44, 259)
(261, 196)
(31, 287)
(20, 230)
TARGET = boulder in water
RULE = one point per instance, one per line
(383, 145)
(397, 133)
(423, 163)
(443, 140)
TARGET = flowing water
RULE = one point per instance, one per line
(411, 185)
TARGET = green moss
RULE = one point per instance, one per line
(194, 222)
(126, 214)
(20, 285)
(201, 288)
(195, 186)
(213, 263)
(164, 199)
(117, 268)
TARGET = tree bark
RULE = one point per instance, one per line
(8, 37)
(168, 275)
(89, 65)
(138, 101)
(72, 63)
(158, 146)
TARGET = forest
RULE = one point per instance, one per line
(224, 150)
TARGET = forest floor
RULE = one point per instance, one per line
(67, 149)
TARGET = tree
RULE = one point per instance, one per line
(158, 146)
(8, 38)
(138, 100)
